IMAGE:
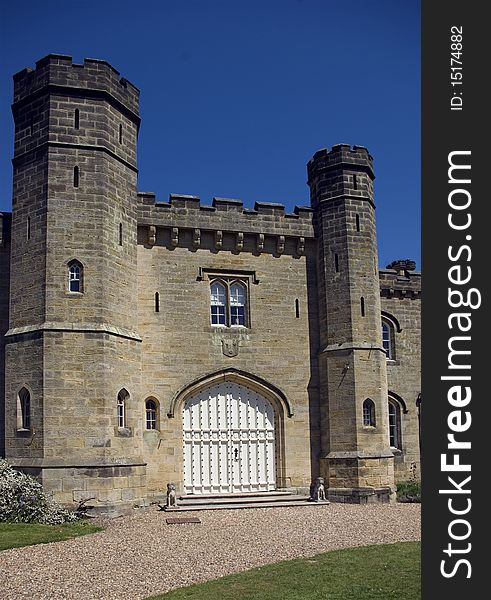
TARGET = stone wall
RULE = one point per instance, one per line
(401, 301)
(180, 345)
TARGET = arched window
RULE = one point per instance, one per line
(368, 413)
(218, 300)
(151, 414)
(237, 304)
(388, 341)
(122, 400)
(395, 438)
(24, 409)
(75, 276)
(228, 303)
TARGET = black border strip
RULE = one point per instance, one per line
(454, 120)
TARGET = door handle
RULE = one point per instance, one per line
(236, 454)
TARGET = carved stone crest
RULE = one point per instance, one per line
(230, 347)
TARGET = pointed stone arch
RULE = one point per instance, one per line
(233, 377)
(261, 386)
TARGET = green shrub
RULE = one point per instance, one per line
(22, 500)
(409, 491)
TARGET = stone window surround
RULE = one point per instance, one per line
(156, 412)
(75, 271)
(24, 413)
(369, 414)
(390, 326)
(395, 425)
(227, 279)
(122, 428)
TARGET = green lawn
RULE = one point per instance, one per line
(366, 573)
(14, 535)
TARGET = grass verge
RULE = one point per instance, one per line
(366, 573)
(15, 535)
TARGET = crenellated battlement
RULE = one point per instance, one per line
(399, 279)
(343, 170)
(58, 71)
(340, 156)
(226, 216)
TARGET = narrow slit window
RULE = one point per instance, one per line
(24, 409)
(28, 228)
(151, 414)
(76, 176)
(357, 219)
(336, 263)
(297, 309)
(31, 126)
(355, 182)
(388, 339)
(120, 133)
(362, 306)
(75, 277)
(157, 302)
(368, 413)
(76, 119)
(394, 424)
(121, 234)
(121, 408)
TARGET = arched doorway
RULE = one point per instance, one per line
(228, 440)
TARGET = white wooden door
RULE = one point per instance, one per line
(229, 441)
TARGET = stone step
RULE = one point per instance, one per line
(238, 495)
(196, 500)
(235, 505)
(239, 498)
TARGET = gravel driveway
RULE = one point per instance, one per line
(140, 555)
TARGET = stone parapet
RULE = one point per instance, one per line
(223, 225)
(58, 70)
(400, 280)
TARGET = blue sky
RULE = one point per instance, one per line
(237, 96)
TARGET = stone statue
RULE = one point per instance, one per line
(319, 493)
(171, 495)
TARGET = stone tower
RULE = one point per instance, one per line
(72, 351)
(356, 459)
